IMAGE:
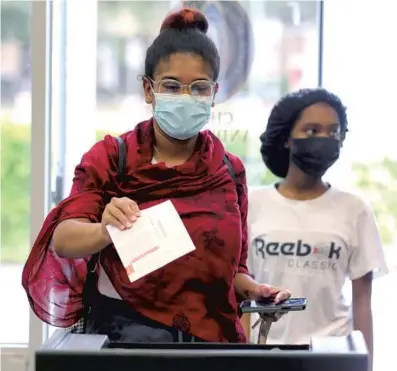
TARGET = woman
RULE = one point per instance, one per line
(306, 234)
(168, 158)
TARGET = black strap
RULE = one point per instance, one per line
(122, 157)
(91, 280)
(230, 168)
(90, 284)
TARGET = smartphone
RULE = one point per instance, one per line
(267, 305)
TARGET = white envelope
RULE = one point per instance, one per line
(157, 238)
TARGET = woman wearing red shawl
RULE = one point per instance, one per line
(168, 158)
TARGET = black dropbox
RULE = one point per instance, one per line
(71, 352)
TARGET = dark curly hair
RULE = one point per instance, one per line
(183, 31)
(281, 122)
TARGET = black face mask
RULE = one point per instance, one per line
(314, 156)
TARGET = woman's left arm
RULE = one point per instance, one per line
(366, 256)
(244, 284)
(362, 313)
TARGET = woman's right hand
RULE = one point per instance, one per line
(120, 213)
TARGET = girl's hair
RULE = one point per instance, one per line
(183, 32)
(281, 122)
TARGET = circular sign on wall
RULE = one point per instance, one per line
(231, 31)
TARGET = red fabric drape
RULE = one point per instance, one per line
(194, 293)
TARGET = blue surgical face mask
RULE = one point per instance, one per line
(181, 116)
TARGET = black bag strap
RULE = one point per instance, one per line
(232, 173)
(230, 168)
(122, 157)
(92, 277)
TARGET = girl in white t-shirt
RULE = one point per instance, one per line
(306, 235)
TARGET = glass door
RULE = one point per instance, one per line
(25, 124)
(16, 127)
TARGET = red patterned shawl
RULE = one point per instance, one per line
(194, 293)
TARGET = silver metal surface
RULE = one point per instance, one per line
(66, 341)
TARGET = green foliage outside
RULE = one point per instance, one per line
(15, 191)
(377, 180)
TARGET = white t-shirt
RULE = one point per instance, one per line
(310, 247)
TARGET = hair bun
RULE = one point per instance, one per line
(185, 19)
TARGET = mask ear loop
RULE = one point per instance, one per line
(151, 83)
